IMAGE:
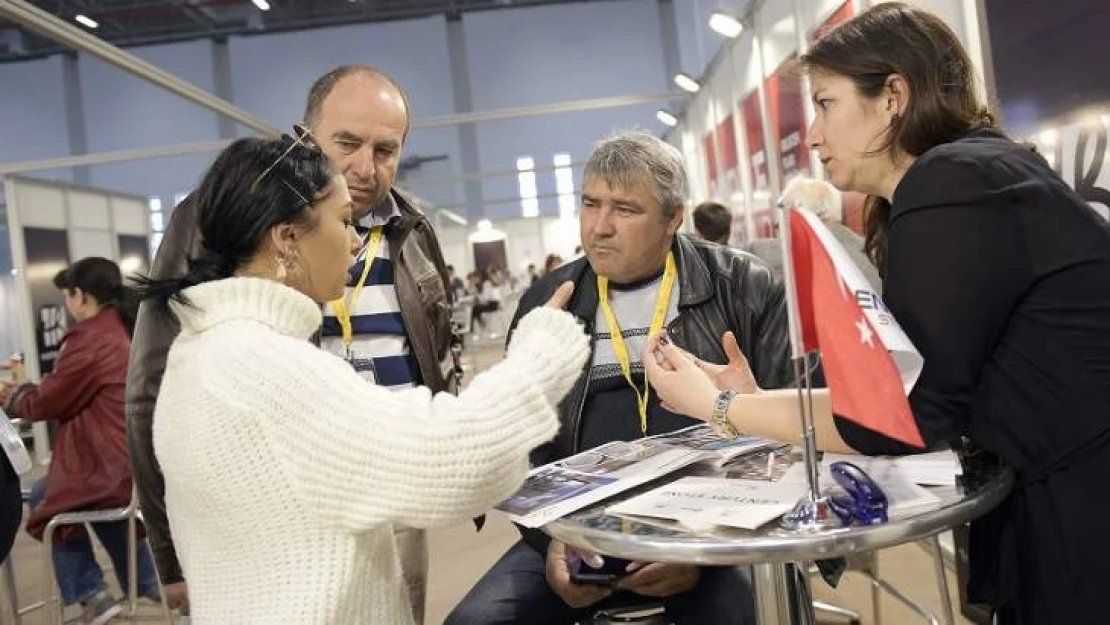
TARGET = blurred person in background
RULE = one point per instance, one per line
(89, 469)
(552, 262)
(713, 222)
(487, 297)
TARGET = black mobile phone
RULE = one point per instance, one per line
(611, 572)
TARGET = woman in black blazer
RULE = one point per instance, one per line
(999, 274)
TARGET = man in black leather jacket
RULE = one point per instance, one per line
(633, 195)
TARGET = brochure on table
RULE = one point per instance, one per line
(557, 489)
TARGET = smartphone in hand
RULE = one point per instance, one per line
(611, 572)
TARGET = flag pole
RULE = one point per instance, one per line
(812, 512)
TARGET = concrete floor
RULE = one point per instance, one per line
(459, 556)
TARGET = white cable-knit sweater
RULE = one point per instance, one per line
(285, 470)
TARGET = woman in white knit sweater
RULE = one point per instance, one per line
(284, 469)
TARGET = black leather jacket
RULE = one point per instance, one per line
(720, 289)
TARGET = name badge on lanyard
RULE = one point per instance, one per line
(364, 367)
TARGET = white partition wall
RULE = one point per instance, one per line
(51, 225)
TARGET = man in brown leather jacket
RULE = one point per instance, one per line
(360, 119)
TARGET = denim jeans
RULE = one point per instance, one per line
(515, 590)
(79, 576)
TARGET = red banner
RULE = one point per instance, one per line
(784, 98)
(729, 165)
(762, 214)
(839, 16)
(711, 162)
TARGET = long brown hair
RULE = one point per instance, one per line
(895, 38)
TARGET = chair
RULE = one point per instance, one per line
(132, 515)
(9, 598)
(646, 614)
(867, 564)
(655, 613)
(7, 585)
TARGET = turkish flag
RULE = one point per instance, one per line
(840, 315)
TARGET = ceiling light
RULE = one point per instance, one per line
(687, 83)
(725, 24)
(666, 117)
(86, 21)
(262, 5)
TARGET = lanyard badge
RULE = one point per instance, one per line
(619, 347)
(343, 308)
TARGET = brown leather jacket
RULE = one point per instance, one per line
(84, 394)
(423, 292)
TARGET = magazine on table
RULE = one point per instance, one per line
(557, 489)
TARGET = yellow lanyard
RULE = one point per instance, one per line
(342, 307)
(621, 350)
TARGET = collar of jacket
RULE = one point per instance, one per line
(695, 285)
(106, 320)
(411, 217)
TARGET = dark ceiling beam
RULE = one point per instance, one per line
(199, 15)
(154, 21)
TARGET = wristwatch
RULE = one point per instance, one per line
(719, 419)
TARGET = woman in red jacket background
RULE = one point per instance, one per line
(90, 467)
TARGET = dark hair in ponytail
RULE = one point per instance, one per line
(234, 218)
(102, 280)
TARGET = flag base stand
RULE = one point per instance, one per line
(810, 516)
(812, 512)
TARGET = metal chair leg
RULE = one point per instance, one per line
(803, 604)
(828, 608)
(907, 600)
(132, 566)
(11, 599)
(876, 596)
(942, 580)
(50, 587)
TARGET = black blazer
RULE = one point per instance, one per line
(1000, 275)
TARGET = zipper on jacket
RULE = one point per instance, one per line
(576, 425)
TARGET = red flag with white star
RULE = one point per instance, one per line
(869, 363)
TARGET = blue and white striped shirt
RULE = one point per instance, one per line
(377, 326)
